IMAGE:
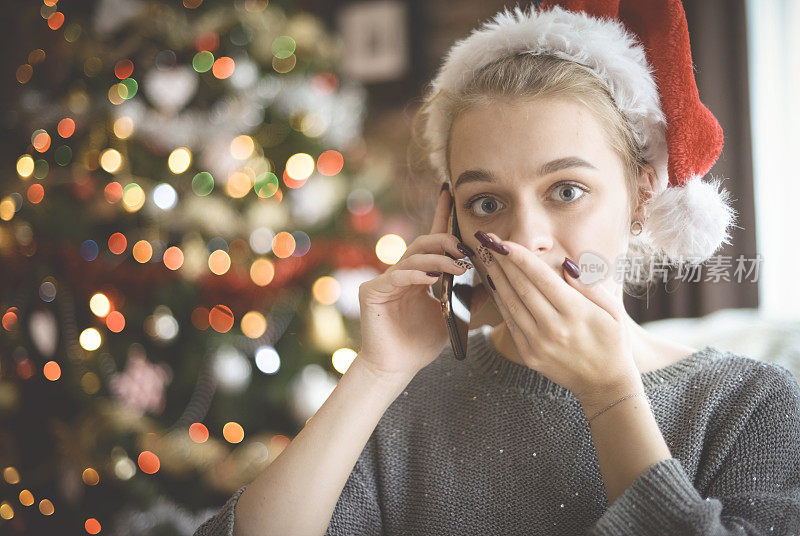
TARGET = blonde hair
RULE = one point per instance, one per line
(528, 76)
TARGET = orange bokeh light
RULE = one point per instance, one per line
(66, 127)
(149, 462)
(117, 243)
(330, 163)
(51, 371)
(198, 432)
(41, 142)
(283, 244)
(173, 258)
(223, 67)
(10, 320)
(113, 192)
(55, 20)
(233, 432)
(92, 526)
(221, 318)
(123, 69)
(142, 251)
(115, 321)
(35, 193)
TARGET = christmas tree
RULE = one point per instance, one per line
(182, 237)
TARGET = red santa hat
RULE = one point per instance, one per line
(641, 50)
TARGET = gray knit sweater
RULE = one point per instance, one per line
(485, 446)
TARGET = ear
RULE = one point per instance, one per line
(646, 183)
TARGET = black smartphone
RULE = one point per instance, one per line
(456, 292)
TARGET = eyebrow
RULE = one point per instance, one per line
(474, 175)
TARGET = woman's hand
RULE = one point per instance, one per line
(571, 332)
(402, 328)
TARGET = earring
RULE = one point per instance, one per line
(639, 230)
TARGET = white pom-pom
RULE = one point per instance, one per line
(691, 221)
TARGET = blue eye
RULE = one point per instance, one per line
(567, 186)
(474, 200)
(488, 204)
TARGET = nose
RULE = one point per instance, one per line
(533, 229)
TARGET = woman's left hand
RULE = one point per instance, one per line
(573, 333)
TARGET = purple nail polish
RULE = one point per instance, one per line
(491, 283)
(487, 241)
(434, 274)
(572, 268)
(465, 249)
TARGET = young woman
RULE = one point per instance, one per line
(566, 417)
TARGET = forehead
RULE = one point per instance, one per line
(504, 134)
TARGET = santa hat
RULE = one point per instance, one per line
(641, 50)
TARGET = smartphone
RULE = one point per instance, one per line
(455, 293)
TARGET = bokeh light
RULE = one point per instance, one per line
(262, 271)
(51, 371)
(11, 475)
(179, 160)
(267, 360)
(233, 432)
(242, 147)
(46, 507)
(92, 526)
(300, 166)
(219, 262)
(100, 304)
(123, 127)
(198, 432)
(133, 197)
(25, 166)
(111, 160)
(220, 318)
(117, 243)
(390, 248)
(142, 251)
(223, 67)
(326, 290)
(330, 163)
(90, 339)
(115, 321)
(164, 196)
(26, 498)
(283, 245)
(203, 183)
(149, 462)
(90, 477)
(66, 127)
(173, 258)
(342, 358)
(254, 324)
(6, 510)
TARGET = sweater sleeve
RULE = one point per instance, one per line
(356, 512)
(756, 491)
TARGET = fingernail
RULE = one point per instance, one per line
(491, 283)
(434, 274)
(487, 241)
(572, 268)
(464, 264)
(465, 249)
(445, 186)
